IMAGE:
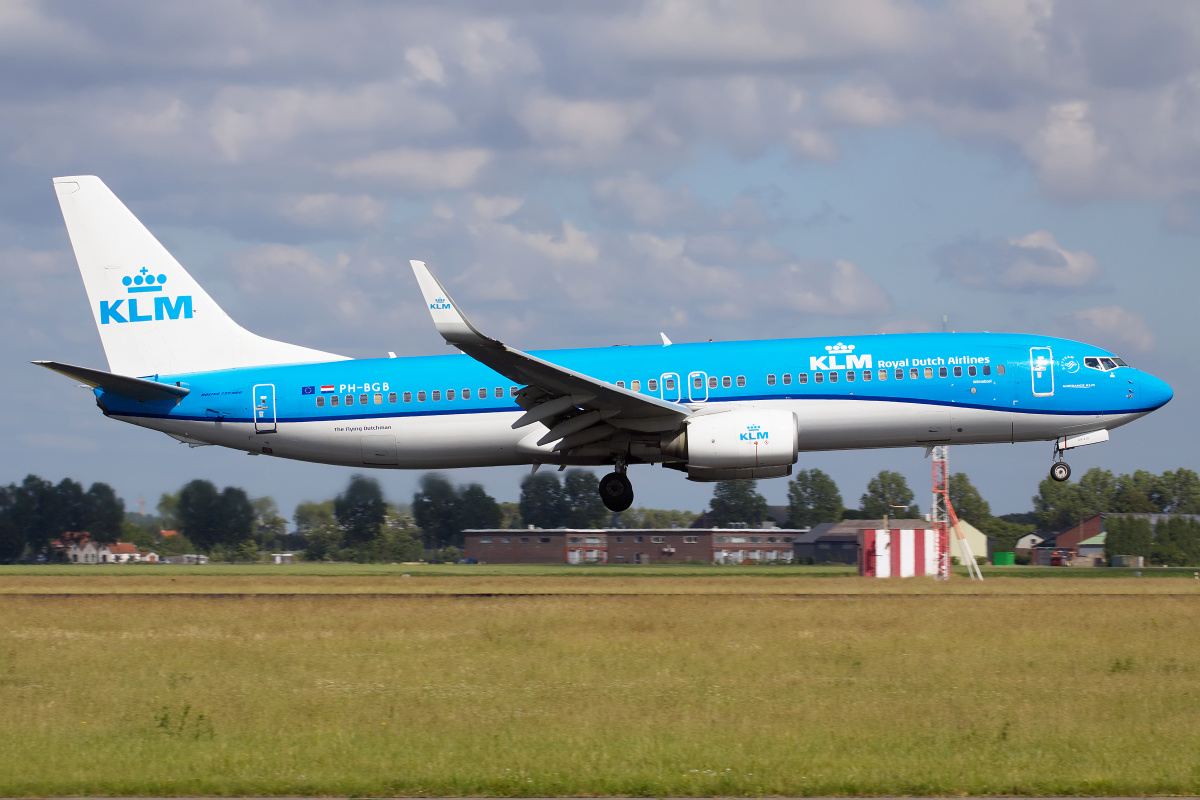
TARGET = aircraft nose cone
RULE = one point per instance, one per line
(1155, 392)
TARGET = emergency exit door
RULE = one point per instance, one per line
(264, 408)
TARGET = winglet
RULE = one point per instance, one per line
(666, 341)
(451, 323)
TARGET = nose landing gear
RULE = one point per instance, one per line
(1060, 471)
(616, 492)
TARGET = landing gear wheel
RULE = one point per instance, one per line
(616, 491)
(1061, 471)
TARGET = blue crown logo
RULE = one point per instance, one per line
(752, 427)
(835, 349)
(143, 282)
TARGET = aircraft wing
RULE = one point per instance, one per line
(578, 408)
(138, 389)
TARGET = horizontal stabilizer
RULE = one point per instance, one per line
(138, 389)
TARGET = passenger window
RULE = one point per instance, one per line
(929, 372)
(669, 384)
(379, 399)
(420, 397)
(741, 380)
(883, 374)
(915, 373)
(987, 370)
(866, 375)
(635, 386)
(999, 369)
(802, 377)
(899, 374)
(971, 371)
(408, 397)
(850, 375)
(466, 394)
(320, 401)
(349, 399)
(726, 381)
(818, 377)
(362, 399)
(787, 378)
(512, 391)
(941, 372)
(712, 381)
(652, 385)
(833, 377)
(392, 397)
(958, 372)
(333, 400)
(482, 393)
(449, 394)
(499, 392)
(770, 380)
(697, 382)
(620, 384)
(437, 395)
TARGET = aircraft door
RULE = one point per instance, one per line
(264, 408)
(1041, 367)
(669, 388)
(698, 387)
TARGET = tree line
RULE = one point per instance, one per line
(35, 512)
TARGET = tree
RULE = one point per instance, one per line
(968, 503)
(887, 489)
(105, 513)
(199, 512)
(168, 511)
(12, 538)
(435, 508)
(655, 518)
(476, 509)
(581, 492)
(737, 501)
(813, 497)
(322, 535)
(542, 502)
(33, 512)
(237, 522)
(69, 508)
(399, 538)
(269, 527)
(360, 511)
(510, 515)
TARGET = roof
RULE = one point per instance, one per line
(121, 548)
(856, 525)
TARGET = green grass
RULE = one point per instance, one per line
(682, 695)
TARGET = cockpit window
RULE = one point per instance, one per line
(1104, 363)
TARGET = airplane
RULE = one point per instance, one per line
(715, 411)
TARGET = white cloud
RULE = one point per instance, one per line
(837, 288)
(330, 210)
(426, 64)
(1030, 263)
(867, 104)
(1113, 327)
(412, 168)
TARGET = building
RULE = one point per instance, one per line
(629, 545)
(837, 542)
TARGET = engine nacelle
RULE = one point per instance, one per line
(747, 443)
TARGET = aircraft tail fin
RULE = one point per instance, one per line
(152, 316)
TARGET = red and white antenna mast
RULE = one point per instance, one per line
(944, 519)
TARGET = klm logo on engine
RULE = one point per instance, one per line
(439, 304)
(831, 361)
(754, 434)
(126, 309)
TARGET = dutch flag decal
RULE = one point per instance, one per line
(327, 390)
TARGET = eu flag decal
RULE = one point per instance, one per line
(307, 390)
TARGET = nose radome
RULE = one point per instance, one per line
(1155, 392)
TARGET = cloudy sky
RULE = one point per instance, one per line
(589, 174)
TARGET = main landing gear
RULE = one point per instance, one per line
(616, 491)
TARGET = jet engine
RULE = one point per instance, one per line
(731, 445)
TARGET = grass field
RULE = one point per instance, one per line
(1077, 688)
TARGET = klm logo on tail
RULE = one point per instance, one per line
(439, 304)
(142, 283)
